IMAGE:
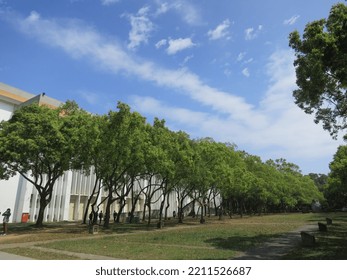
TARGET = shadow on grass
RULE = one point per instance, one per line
(239, 243)
(330, 245)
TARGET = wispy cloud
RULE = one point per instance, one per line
(186, 59)
(141, 28)
(276, 123)
(241, 56)
(108, 2)
(221, 31)
(251, 32)
(245, 72)
(185, 9)
(291, 20)
(161, 43)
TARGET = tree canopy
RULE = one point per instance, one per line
(336, 191)
(321, 69)
(41, 143)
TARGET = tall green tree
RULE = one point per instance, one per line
(41, 143)
(159, 166)
(122, 144)
(321, 69)
(337, 180)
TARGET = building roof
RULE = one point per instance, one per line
(21, 98)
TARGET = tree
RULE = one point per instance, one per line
(320, 180)
(337, 180)
(41, 143)
(321, 69)
(159, 167)
(122, 144)
(91, 156)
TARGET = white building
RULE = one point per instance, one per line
(72, 190)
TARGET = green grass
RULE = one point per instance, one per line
(213, 240)
(331, 245)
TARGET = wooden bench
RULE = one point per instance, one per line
(329, 221)
(322, 227)
(307, 239)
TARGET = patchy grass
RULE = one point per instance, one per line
(331, 245)
(214, 240)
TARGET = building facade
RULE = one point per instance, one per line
(71, 192)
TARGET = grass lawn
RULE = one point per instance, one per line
(331, 245)
(213, 240)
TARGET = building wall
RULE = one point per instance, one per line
(8, 188)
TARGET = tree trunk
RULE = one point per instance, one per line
(107, 216)
(40, 217)
(89, 202)
(161, 209)
(43, 204)
(167, 205)
(202, 219)
(149, 213)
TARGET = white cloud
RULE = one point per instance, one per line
(251, 33)
(276, 128)
(177, 45)
(141, 28)
(245, 72)
(34, 16)
(291, 20)
(221, 31)
(276, 124)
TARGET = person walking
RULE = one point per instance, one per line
(101, 215)
(91, 218)
(114, 216)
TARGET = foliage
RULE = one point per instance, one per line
(321, 69)
(336, 191)
(41, 143)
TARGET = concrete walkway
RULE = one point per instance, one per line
(7, 256)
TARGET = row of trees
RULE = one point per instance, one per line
(120, 147)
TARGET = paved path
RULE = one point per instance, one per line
(277, 247)
(7, 256)
(273, 249)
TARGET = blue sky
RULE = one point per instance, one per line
(219, 69)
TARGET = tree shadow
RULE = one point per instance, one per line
(239, 242)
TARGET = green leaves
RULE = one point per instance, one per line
(321, 69)
(337, 180)
(120, 147)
